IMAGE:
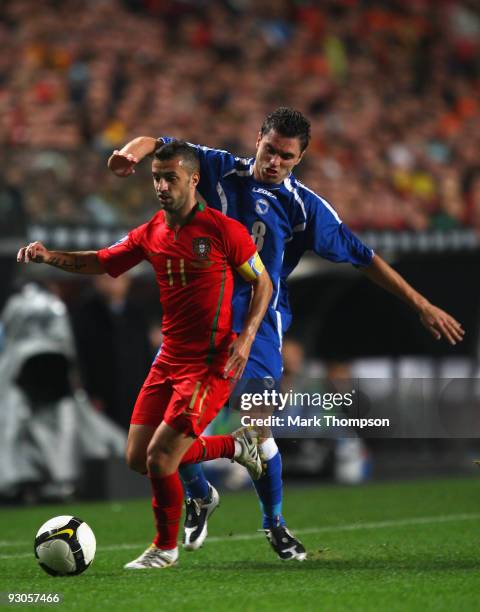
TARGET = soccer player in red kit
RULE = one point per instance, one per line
(193, 250)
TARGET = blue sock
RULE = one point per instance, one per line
(194, 481)
(269, 491)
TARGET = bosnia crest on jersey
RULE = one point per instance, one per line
(201, 247)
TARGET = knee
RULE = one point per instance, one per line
(136, 462)
(160, 463)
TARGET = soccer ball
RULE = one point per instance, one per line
(65, 546)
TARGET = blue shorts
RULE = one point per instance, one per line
(263, 371)
(265, 359)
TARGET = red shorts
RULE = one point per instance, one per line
(187, 398)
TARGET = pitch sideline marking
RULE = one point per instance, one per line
(421, 520)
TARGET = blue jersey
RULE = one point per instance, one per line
(285, 220)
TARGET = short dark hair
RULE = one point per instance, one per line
(290, 123)
(179, 148)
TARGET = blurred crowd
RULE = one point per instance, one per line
(392, 89)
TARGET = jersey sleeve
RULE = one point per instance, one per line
(329, 237)
(240, 250)
(214, 163)
(124, 254)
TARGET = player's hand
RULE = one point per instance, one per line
(122, 165)
(35, 252)
(441, 325)
(239, 351)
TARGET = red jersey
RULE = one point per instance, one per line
(194, 269)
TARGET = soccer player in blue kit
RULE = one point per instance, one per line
(285, 219)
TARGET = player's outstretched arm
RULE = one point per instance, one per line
(240, 348)
(438, 322)
(80, 262)
(122, 162)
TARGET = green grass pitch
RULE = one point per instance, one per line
(398, 546)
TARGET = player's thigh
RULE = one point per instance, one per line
(147, 415)
(196, 401)
(166, 449)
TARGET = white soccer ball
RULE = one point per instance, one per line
(65, 545)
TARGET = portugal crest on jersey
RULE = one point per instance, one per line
(201, 247)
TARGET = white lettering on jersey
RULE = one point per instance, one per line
(264, 191)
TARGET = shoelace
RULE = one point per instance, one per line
(151, 555)
(154, 557)
(283, 540)
(191, 502)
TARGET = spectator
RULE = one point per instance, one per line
(392, 88)
(113, 347)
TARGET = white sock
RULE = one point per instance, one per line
(269, 449)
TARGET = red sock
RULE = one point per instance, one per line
(210, 447)
(167, 507)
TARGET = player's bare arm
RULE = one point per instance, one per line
(438, 322)
(79, 262)
(122, 162)
(240, 348)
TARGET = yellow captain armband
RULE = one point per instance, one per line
(252, 268)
